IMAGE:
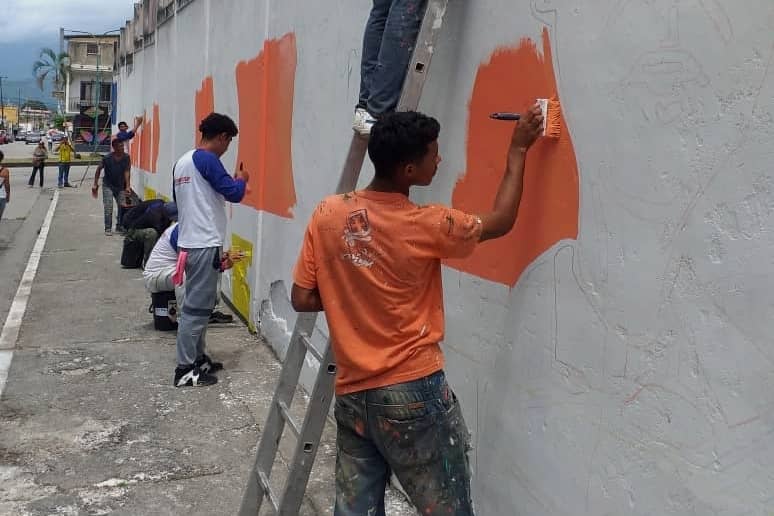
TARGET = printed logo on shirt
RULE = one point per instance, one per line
(182, 180)
(357, 233)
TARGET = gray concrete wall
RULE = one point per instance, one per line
(613, 356)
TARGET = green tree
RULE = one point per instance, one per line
(54, 67)
(59, 122)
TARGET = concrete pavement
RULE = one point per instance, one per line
(89, 420)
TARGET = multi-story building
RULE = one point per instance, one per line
(89, 91)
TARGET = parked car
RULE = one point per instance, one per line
(3, 137)
(32, 137)
(57, 136)
(21, 136)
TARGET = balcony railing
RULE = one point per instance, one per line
(75, 105)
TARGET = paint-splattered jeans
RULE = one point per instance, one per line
(388, 43)
(413, 429)
(109, 193)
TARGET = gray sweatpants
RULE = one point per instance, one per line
(201, 291)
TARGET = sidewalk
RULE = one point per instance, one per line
(89, 420)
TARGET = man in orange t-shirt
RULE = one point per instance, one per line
(371, 259)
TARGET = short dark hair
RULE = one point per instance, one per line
(400, 138)
(122, 123)
(215, 124)
(117, 142)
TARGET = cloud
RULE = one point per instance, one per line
(35, 20)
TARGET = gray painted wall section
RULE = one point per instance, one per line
(628, 372)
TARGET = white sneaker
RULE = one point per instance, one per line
(363, 122)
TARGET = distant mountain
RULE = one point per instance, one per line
(27, 89)
(16, 63)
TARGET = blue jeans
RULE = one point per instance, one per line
(64, 174)
(388, 43)
(414, 429)
(2, 206)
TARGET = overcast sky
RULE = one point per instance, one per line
(28, 25)
(32, 20)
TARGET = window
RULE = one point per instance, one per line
(92, 49)
(88, 90)
(106, 89)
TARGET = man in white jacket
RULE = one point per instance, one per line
(201, 188)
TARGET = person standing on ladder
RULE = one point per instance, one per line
(201, 188)
(388, 43)
(371, 259)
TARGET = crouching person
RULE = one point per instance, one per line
(161, 265)
(146, 222)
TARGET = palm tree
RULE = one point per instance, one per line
(52, 66)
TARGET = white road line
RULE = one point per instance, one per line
(16, 313)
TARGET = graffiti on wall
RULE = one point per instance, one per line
(511, 80)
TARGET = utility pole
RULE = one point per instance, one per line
(18, 110)
(97, 110)
(2, 102)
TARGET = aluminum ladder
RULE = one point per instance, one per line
(308, 435)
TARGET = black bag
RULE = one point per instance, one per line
(132, 254)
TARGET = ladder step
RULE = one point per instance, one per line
(266, 488)
(311, 349)
(285, 411)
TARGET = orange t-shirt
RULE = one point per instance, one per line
(376, 259)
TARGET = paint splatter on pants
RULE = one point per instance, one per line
(110, 193)
(388, 43)
(414, 429)
(201, 292)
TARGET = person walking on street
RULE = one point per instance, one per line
(117, 169)
(201, 188)
(388, 44)
(38, 163)
(66, 153)
(5, 185)
(371, 259)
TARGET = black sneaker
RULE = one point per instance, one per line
(192, 376)
(207, 365)
(220, 317)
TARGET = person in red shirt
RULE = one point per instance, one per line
(371, 259)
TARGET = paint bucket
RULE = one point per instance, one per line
(164, 310)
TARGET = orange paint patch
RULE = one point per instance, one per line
(265, 89)
(156, 127)
(145, 144)
(204, 104)
(134, 151)
(144, 150)
(512, 79)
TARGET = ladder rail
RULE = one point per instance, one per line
(309, 434)
(419, 67)
(309, 440)
(275, 422)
